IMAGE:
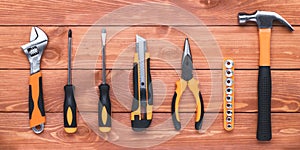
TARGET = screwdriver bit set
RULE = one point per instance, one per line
(228, 94)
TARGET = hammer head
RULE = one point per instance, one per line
(264, 19)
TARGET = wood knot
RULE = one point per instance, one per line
(168, 52)
(208, 3)
(61, 31)
(52, 55)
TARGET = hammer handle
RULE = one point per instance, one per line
(265, 47)
(264, 128)
(264, 131)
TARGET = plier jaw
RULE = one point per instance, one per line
(187, 62)
(35, 48)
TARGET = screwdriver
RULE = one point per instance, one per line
(70, 123)
(104, 105)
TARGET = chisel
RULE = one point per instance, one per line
(70, 123)
(104, 105)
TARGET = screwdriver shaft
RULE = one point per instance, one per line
(69, 57)
(103, 36)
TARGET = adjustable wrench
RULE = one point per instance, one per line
(34, 50)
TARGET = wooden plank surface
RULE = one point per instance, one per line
(243, 136)
(216, 25)
(211, 12)
(120, 48)
(15, 98)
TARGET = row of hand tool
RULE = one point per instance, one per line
(141, 113)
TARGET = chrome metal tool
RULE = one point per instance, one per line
(34, 51)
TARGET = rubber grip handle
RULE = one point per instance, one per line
(176, 121)
(264, 129)
(200, 114)
(135, 102)
(180, 87)
(193, 86)
(140, 124)
(150, 91)
(70, 123)
(104, 109)
(36, 101)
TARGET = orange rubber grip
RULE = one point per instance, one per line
(36, 102)
(265, 46)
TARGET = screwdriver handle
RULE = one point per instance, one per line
(70, 123)
(104, 109)
(36, 102)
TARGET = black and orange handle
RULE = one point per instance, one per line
(36, 101)
(104, 109)
(180, 88)
(264, 127)
(141, 111)
(70, 122)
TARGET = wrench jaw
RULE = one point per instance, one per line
(35, 48)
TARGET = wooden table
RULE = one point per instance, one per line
(241, 43)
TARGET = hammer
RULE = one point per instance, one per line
(264, 20)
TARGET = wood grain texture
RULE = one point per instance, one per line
(211, 12)
(14, 91)
(165, 47)
(218, 27)
(22, 137)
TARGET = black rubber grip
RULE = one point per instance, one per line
(149, 81)
(135, 103)
(143, 102)
(40, 99)
(69, 103)
(176, 122)
(198, 124)
(264, 129)
(104, 101)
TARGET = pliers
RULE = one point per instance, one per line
(34, 50)
(187, 79)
